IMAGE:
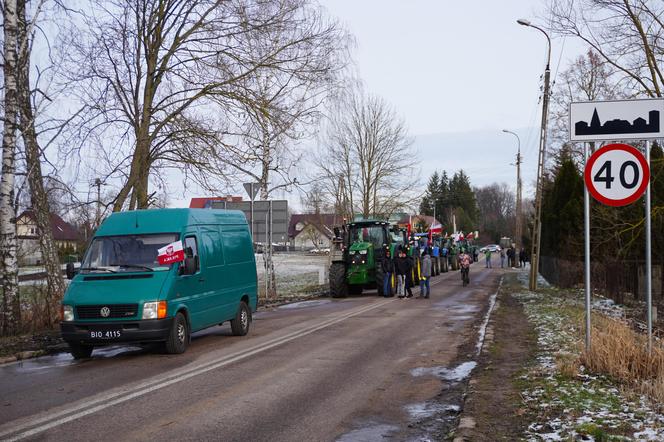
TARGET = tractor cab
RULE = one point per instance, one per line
(356, 262)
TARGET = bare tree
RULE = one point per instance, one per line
(588, 78)
(314, 200)
(627, 34)
(11, 313)
(496, 204)
(169, 83)
(367, 156)
(33, 154)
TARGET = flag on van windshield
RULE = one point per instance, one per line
(171, 253)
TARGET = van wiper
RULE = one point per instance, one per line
(133, 266)
(98, 268)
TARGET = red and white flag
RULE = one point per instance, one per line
(436, 227)
(171, 253)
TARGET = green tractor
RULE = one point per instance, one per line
(355, 259)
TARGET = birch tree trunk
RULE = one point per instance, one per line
(11, 313)
(54, 281)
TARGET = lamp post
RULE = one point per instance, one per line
(517, 228)
(537, 227)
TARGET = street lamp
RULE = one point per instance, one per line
(517, 229)
(537, 228)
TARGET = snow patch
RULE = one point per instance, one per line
(492, 303)
(457, 374)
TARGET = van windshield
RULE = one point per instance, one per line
(126, 253)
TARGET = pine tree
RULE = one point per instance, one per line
(431, 195)
(462, 195)
(443, 203)
(562, 212)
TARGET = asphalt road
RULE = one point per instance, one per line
(360, 368)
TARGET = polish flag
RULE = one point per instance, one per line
(171, 253)
(436, 227)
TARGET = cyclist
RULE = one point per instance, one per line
(464, 264)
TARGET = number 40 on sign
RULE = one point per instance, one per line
(617, 174)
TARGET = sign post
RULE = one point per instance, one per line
(252, 190)
(617, 174)
(648, 254)
(586, 246)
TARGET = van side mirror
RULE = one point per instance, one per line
(70, 271)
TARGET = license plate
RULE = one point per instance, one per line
(105, 334)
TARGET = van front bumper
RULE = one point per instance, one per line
(148, 330)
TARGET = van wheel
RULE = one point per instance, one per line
(178, 338)
(80, 351)
(240, 324)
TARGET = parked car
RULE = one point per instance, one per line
(492, 247)
(205, 275)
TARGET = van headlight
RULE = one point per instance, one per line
(67, 313)
(154, 310)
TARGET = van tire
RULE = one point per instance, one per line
(240, 324)
(80, 351)
(178, 338)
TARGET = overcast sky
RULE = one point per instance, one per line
(458, 73)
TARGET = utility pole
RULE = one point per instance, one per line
(517, 229)
(537, 227)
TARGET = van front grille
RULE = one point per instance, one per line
(115, 311)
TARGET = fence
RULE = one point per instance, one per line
(618, 280)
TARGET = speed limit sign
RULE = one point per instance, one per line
(617, 174)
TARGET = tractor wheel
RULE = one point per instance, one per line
(338, 284)
(355, 289)
(380, 281)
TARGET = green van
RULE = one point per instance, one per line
(121, 293)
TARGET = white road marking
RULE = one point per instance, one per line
(158, 382)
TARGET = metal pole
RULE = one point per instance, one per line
(517, 224)
(251, 186)
(586, 226)
(518, 233)
(537, 229)
(648, 255)
(267, 261)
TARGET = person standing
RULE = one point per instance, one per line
(464, 265)
(426, 275)
(522, 257)
(410, 268)
(502, 258)
(487, 257)
(387, 265)
(400, 267)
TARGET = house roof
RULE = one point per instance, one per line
(204, 202)
(324, 222)
(60, 229)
